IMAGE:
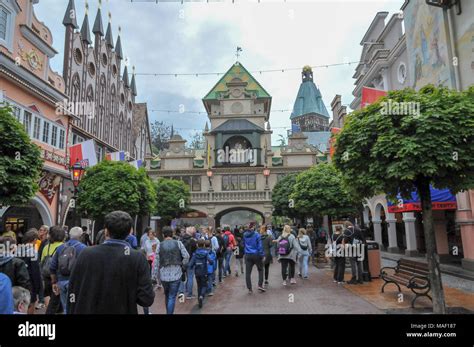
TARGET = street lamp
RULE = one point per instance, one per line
(77, 171)
(445, 4)
(266, 173)
(209, 175)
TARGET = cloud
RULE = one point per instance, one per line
(202, 37)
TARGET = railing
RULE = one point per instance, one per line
(240, 196)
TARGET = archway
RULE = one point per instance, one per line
(21, 218)
(239, 216)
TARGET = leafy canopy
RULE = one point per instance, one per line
(321, 191)
(115, 185)
(173, 197)
(20, 161)
(379, 151)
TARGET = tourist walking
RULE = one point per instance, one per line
(211, 268)
(171, 257)
(220, 254)
(356, 240)
(199, 263)
(6, 296)
(337, 251)
(56, 236)
(305, 250)
(287, 248)
(30, 257)
(63, 262)
(189, 242)
(230, 244)
(254, 255)
(267, 244)
(13, 267)
(111, 278)
(239, 254)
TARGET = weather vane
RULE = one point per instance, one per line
(237, 53)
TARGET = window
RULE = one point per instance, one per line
(17, 113)
(37, 128)
(243, 182)
(54, 136)
(3, 23)
(196, 183)
(27, 121)
(234, 182)
(252, 185)
(61, 138)
(186, 180)
(225, 182)
(238, 182)
(45, 132)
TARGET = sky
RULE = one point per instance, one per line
(200, 37)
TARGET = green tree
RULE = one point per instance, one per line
(160, 134)
(20, 161)
(173, 197)
(115, 185)
(381, 149)
(197, 141)
(281, 202)
(321, 191)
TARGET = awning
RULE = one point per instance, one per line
(441, 199)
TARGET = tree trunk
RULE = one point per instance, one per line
(432, 256)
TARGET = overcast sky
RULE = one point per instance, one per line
(170, 37)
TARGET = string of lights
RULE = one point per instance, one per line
(197, 74)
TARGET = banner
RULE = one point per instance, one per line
(136, 164)
(370, 95)
(441, 199)
(84, 153)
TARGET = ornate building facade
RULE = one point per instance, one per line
(103, 96)
(239, 167)
(33, 90)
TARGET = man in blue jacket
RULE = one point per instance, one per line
(6, 295)
(62, 263)
(253, 251)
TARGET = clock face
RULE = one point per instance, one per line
(236, 93)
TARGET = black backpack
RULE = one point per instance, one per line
(304, 248)
(200, 267)
(221, 250)
(66, 260)
(46, 263)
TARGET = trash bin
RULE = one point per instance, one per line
(373, 259)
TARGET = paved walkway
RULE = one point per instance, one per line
(318, 295)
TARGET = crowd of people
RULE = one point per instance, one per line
(67, 272)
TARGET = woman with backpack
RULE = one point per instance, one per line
(239, 255)
(304, 252)
(287, 249)
(267, 243)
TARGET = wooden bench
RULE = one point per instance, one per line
(411, 274)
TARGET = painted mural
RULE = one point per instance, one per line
(427, 45)
(465, 50)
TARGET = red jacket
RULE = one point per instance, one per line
(232, 242)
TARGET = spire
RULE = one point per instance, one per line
(98, 27)
(85, 31)
(109, 40)
(125, 77)
(206, 128)
(133, 86)
(172, 132)
(70, 15)
(118, 46)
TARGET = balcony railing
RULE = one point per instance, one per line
(239, 196)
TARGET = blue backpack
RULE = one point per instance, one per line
(211, 267)
(200, 267)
